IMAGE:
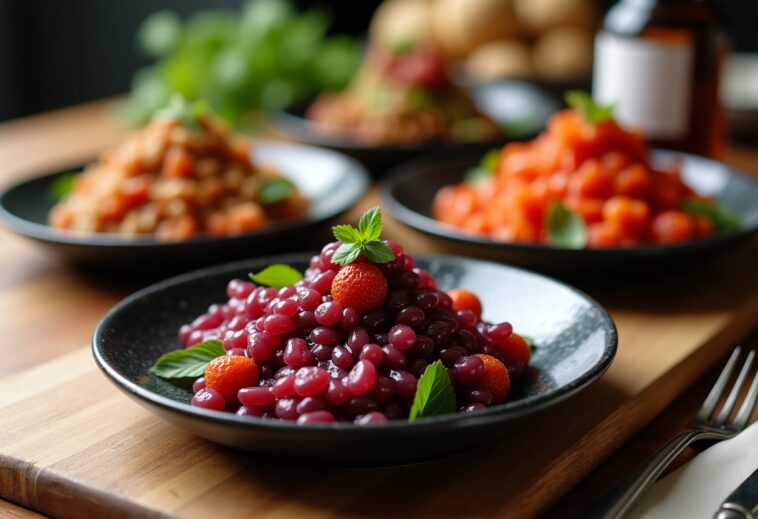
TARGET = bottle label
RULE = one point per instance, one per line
(650, 81)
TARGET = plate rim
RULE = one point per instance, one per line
(505, 412)
(113, 241)
(428, 225)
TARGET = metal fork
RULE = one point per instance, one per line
(620, 498)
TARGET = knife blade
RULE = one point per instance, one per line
(743, 502)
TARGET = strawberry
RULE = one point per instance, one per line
(361, 286)
(496, 379)
(228, 374)
(516, 353)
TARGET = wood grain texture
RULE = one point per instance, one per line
(73, 445)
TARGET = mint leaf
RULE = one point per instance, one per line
(346, 233)
(363, 240)
(189, 362)
(370, 224)
(565, 228)
(277, 276)
(722, 218)
(273, 191)
(434, 393)
(62, 186)
(583, 103)
(378, 252)
(346, 254)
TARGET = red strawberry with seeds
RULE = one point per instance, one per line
(230, 373)
(361, 286)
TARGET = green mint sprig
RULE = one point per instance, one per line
(277, 276)
(189, 362)
(565, 228)
(591, 111)
(363, 240)
(434, 393)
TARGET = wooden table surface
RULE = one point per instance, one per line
(37, 291)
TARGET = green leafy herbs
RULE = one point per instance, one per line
(723, 219)
(188, 114)
(363, 240)
(565, 228)
(434, 393)
(277, 276)
(273, 191)
(263, 56)
(487, 167)
(62, 186)
(583, 103)
(189, 362)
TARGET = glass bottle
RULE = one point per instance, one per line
(659, 61)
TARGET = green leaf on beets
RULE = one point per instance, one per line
(277, 276)
(62, 186)
(583, 103)
(565, 228)
(189, 362)
(370, 224)
(273, 191)
(434, 393)
(346, 233)
(346, 254)
(378, 252)
(722, 218)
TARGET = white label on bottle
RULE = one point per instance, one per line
(650, 83)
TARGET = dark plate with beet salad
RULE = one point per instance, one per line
(359, 354)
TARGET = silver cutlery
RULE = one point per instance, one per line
(743, 502)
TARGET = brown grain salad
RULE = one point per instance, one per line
(175, 181)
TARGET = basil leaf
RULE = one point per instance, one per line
(189, 362)
(273, 191)
(565, 228)
(434, 393)
(346, 233)
(277, 276)
(62, 186)
(722, 218)
(583, 103)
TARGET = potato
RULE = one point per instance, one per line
(501, 59)
(460, 26)
(397, 22)
(538, 16)
(563, 53)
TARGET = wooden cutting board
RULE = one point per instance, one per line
(71, 445)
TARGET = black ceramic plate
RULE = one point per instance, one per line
(576, 342)
(408, 192)
(521, 109)
(332, 183)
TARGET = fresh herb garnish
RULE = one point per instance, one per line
(530, 343)
(487, 167)
(189, 362)
(62, 186)
(723, 219)
(187, 114)
(583, 103)
(565, 228)
(434, 393)
(363, 240)
(277, 276)
(273, 191)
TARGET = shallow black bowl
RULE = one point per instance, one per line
(576, 342)
(332, 182)
(408, 192)
(521, 109)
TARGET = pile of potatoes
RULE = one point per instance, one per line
(524, 39)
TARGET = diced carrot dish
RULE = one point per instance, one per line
(181, 176)
(596, 170)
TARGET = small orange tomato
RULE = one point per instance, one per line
(465, 300)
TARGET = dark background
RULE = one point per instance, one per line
(55, 53)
